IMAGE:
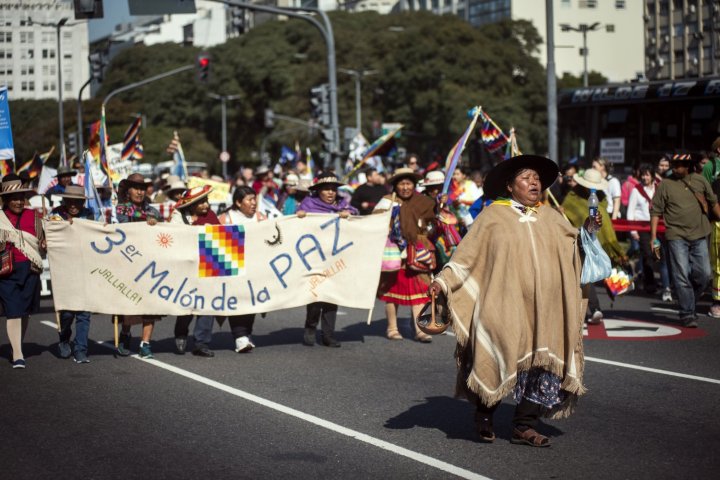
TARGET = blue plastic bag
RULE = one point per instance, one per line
(596, 265)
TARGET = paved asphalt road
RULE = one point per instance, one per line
(371, 409)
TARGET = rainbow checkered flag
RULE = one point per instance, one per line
(454, 156)
(6, 166)
(221, 251)
(492, 137)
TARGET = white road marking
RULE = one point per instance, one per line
(418, 457)
(653, 370)
(661, 309)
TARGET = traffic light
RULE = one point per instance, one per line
(320, 104)
(328, 141)
(87, 9)
(97, 66)
(203, 67)
(269, 118)
(72, 144)
(238, 19)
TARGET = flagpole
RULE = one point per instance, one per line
(369, 153)
(450, 167)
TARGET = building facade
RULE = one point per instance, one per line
(620, 29)
(681, 38)
(29, 52)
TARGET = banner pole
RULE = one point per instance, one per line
(117, 335)
(57, 321)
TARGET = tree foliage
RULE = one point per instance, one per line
(430, 71)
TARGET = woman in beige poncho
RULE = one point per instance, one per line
(513, 292)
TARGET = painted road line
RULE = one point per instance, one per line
(334, 427)
(653, 370)
(667, 310)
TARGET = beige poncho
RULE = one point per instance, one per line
(513, 289)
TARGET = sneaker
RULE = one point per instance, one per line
(145, 351)
(81, 357)
(123, 348)
(329, 341)
(180, 345)
(20, 363)
(243, 345)
(596, 318)
(667, 295)
(689, 322)
(714, 311)
(64, 349)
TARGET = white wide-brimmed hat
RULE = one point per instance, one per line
(432, 178)
(591, 178)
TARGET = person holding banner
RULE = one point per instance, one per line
(73, 206)
(22, 239)
(513, 293)
(243, 210)
(411, 215)
(324, 198)
(134, 206)
(193, 208)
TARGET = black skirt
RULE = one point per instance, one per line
(20, 291)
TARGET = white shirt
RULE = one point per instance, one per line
(612, 192)
(638, 206)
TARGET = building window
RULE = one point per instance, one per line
(47, 37)
(679, 29)
(48, 53)
(67, 36)
(5, 53)
(68, 86)
(5, 37)
(46, 87)
(31, 86)
(9, 86)
(610, 28)
(27, 54)
(23, 86)
(67, 55)
(565, 4)
(620, 4)
(588, 4)
(27, 70)
(27, 37)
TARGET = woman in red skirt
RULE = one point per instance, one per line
(411, 215)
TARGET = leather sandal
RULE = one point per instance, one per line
(484, 424)
(423, 337)
(394, 334)
(529, 436)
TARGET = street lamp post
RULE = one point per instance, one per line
(358, 76)
(57, 26)
(223, 105)
(583, 28)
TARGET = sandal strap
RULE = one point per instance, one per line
(531, 435)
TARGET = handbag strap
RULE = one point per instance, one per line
(699, 197)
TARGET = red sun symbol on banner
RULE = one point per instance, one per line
(165, 240)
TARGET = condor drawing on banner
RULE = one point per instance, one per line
(613, 149)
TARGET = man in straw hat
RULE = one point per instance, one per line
(73, 206)
(520, 331)
(193, 208)
(21, 244)
(684, 200)
(64, 178)
(134, 206)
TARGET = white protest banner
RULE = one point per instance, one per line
(170, 269)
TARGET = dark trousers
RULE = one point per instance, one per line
(202, 331)
(241, 325)
(325, 311)
(82, 327)
(648, 263)
(526, 413)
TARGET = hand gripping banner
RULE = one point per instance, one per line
(169, 269)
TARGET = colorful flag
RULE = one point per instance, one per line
(6, 166)
(93, 198)
(94, 143)
(456, 151)
(286, 156)
(309, 162)
(104, 165)
(131, 140)
(175, 148)
(493, 138)
(376, 148)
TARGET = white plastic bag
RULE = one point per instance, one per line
(596, 265)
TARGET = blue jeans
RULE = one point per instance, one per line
(690, 271)
(202, 331)
(82, 328)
